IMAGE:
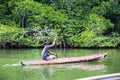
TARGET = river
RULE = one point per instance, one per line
(11, 69)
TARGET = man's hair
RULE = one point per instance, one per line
(48, 43)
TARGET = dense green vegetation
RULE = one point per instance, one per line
(76, 23)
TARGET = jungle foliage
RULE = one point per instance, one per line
(75, 23)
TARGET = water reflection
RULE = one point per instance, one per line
(47, 72)
(92, 67)
(82, 66)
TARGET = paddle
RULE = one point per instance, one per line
(56, 51)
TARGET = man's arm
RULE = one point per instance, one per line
(50, 53)
(53, 43)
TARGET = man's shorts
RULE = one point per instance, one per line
(51, 57)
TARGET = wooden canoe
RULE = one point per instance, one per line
(87, 58)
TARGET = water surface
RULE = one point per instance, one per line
(11, 69)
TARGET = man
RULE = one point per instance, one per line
(46, 53)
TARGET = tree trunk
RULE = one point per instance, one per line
(23, 21)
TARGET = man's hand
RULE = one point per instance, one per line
(56, 55)
(55, 39)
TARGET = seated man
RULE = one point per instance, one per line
(46, 53)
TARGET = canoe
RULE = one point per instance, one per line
(87, 58)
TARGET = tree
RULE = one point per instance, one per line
(32, 14)
(94, 28)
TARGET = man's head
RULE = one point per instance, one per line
(48, 43)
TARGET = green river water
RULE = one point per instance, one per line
(11, 69)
